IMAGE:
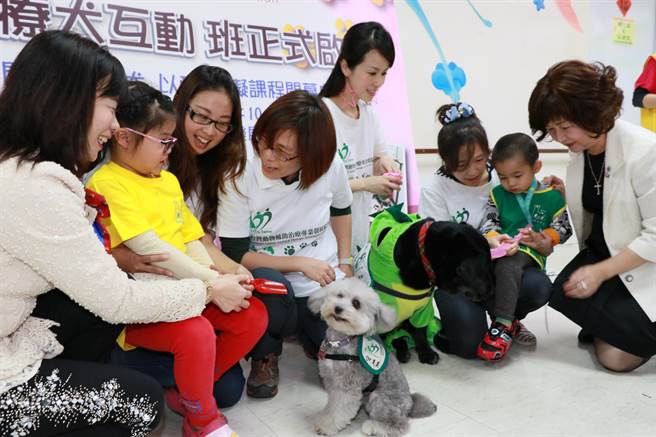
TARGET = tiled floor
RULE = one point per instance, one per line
(556, 389)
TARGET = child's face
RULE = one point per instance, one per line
(472, 172)
(215, 108)
(368, 76)
(515, 174)
(149, 157)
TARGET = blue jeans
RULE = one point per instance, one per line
(159, 365)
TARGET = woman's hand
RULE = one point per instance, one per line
(584, 282)
(382, 185)
(557, 183)
(317, 270)
(347, 269)
(385, 164)
(499, 239)
(130, 262)
(540, 241)
(231, 292)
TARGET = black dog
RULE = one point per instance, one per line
(458, 255)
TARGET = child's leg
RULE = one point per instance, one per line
(193, 345)
(508, 274)
(238, 332)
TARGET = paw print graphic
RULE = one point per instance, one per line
(289, 250)
(304, 245)
(315, 243)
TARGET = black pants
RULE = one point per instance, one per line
(311, 328)
(611, 313)
(80, 399)
(85, 336)
(464, 322)
(282, 315)
(508, 272)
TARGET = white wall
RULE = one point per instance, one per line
(504, 62)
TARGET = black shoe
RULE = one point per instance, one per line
(585, 337)
(263, 380)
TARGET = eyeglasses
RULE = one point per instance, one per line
(221, 126)
(277, 154)
(167, 143)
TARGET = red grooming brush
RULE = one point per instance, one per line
(266, 286)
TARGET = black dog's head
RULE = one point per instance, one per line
(458, 254)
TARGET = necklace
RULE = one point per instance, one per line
(597, 180)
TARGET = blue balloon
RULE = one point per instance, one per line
(440, 79)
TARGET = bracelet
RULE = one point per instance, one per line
(346, 261)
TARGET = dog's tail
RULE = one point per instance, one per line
(421, 406)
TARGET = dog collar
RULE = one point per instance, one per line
(335, 344)
(422, 252)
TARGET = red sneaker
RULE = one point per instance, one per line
(496, 342)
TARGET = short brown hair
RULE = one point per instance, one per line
(584, 94)
(308, 117)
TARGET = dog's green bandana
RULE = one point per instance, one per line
(373, 354)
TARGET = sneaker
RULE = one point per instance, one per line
(263, 380)
(521, 334)
(496, 342)
(216, 428)
(174, 402)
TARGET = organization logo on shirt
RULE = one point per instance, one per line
(461, 216)
(260, 219)
(343, 151)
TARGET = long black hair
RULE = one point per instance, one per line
(47, 104)
(358, 41)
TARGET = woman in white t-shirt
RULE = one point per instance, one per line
(367, 53)
(458, 192)
(291, 209)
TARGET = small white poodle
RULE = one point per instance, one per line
(353, 311)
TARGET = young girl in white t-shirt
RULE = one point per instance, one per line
(367, 53)
(459, 192)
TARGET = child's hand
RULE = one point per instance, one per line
(540, 241)
(498, 240)
(230, 293)
(241, 270)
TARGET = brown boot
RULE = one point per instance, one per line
(263, 379)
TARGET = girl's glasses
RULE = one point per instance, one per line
(167, 143)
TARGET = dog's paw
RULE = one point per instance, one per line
(325, 426)
(428, 356)
(376, 428)
(402, 350)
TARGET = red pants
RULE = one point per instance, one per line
(201, 355)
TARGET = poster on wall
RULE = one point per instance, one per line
(270, 47)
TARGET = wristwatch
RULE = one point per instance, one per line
(346, 261)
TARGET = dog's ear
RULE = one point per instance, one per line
(385, 318)
(316, 299)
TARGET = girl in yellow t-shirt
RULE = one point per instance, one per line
(149, 216)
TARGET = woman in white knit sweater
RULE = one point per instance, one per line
(56, 113)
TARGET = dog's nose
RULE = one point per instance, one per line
(338, 310)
